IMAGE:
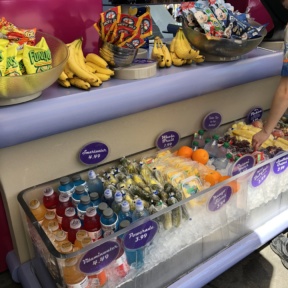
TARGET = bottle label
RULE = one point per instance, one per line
(83, 284)
(81, 214)
(109, 229)
(67, 192)
(95, 234)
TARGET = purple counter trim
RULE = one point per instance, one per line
(59, 110)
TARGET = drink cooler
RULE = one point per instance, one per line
(218, 232)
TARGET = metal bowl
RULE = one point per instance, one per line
(223, 49)
(19, 89)
(117, 56)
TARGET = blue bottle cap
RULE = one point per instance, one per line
(91, 174)
(139, 205)
(125, 207)
(118, 196)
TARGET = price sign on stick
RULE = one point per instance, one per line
(220, 198)
(260, 175)
(212, 121)
(280, 165)
(242, 164)
(167, 140)
(254, 114)
(93, 153)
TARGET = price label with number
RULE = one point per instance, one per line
(212, 121)
(141, 235)
(167, 140)
(99, 257)
(260, 175)
(244, 163)
(280, 165)
(93, 153)
(220, 198)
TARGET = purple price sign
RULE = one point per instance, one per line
(141, 235)
(167, 140)
(93, 153)
(280, 164)
(254, 115)
(260, 175)
(220, 198)
(244, 163)
(143, 61)
(99, 257)
(212, 121)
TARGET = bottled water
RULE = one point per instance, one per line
(125, 213)
(212, 146)
(116, 205)
(139, 211)
(94, 183)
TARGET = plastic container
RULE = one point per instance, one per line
(94, 183)
(125, 213)
(60, 238)
(49, 216)
(66, 186)
(78, 181)
(223, 150)
(109, 222)
(95, 199)
(70, 214)
(102, 206)
(139, 211)
(53, 228)
(212, 147)
(80, 235)
(108, 197)
(85, 203)
(63, 203)
(92, 224)
(75, 226)
(221, 163)
(116, 205)
(38, 210)
(50, 199)
(77, 194)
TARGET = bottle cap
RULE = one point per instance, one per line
(108, 193)
(71, 261)
(80, 234)
(139, 205)
(60, 235)
(53, 226)
(125, 207)
(86, 241)
(118, 196)
(34, 204)
(80, 190)
(64, 180)
(215, 137)
(91, 174)
(124, 223)
(48, 191)
(201, 132)
(75, 224)
(70, 211)
(195, 143)
(102, 206)
(226, 145)
(50, 215)
(91, 211)
(94, 196)
(66, 247)
(76, 177)
(108, 213)
(85, 200)
(207, 140)
(64, 197)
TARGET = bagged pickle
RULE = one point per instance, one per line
(12, 66)
(176, 212)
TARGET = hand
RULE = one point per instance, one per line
(259, 138)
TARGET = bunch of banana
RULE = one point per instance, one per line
(181, 51)
(160, 53)
(82, 72)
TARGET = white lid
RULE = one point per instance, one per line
(139, 205)
(125, 207)
(108, 193)
(34, 204)
(53, 226)
(91, 174)
(139, 69)
(60, 235)
(118, 196)
(91, 211)
(50, 215)
(75, 224)
(48, 191)
(70, 211)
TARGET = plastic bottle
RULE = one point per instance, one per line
(60, 237)
(95, 199)
(78, 181)
(116, 204)
(95, 183)
(66, 247)
(200, 139)
(85, 203)
(212, 146)
(125, 213)
(53, 227)
(80, 235)
(221, 163)
(195, 145)
(38, 210)
(63, 203)
(70, 214)
(223, 150)
(49, 216)
(108, 197)
(102, 206)
(77, 194)
(92, 223)
(119, 265)
(75, 226)
(50, 199)
(66, 186)
(139, 211)
(109, 222)
(72, 276)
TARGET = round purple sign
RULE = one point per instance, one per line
(99, 257)
(280, 164)
(212, 121)
(167, 140)
(220, 198)
(260, 175)
(244, 163)
(93, 153)
(254, 115)
(141, 235)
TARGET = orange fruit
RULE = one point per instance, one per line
(200, 155)
(185, 151)
(212, 177)
(233, 184)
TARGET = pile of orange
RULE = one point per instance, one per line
(213, 177)
(185, 151)
(200, 155)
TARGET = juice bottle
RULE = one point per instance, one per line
(95, 199)
(85, 203)
(66, 247)
(64, 202)
(94, 183)
(108, 197)
(50, 198)
(70, 214)
(92, 223)
(60, 237)
(109, 222)
(116, 204)
(37, 209)
(78, 181)
(102, 206)
(119, 265)
(72, 276)
(53, 227)
(49, 216)
(66, 186)
(77, 194)
(125, 213)
(80, 235)
(75, 226)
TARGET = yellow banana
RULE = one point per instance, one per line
(199, 59)
(189, 61)
(172, 45)
(98, 69)
(181, 49)
(96, 59)
(177, 61)
(156, 53)
(102, 77)
(95, 84)
(64, 83)
(68, 71)
(162, 61)
(63, 76)
(90, 68)
(79, 83)
(167, 56)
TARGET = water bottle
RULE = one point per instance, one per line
(221, 163)
(195, 145)
(38, 210)
(92, 224)
(101, 207)
(85, 203)
(77, 194)
(78, 181)
(108, 197)
(109, 222)
(212, 147)
(66, 186)
(116, 204)
(94, 183)
(125, 213)
(200, 139)
(95, 199)
(223, 150)
(70, 214)
(50, 199)
(139, 211)
(75, 226)
(63, 203)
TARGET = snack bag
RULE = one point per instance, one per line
(12, 66)
(107, 19)
(37, 58)
(145, 25)
(133, 42)
(3, 59)
(19, 59)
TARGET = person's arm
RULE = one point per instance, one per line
(278, 107)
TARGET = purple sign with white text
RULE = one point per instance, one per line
(167, 140)
(212, 121)
(99, 257)
(254, 115)
(93, 153)
(280, 165)
(244, 163)
(260, 175)
(220, 198)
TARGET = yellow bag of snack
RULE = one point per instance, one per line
(3, 60)
(19, 59)
(12, 66)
